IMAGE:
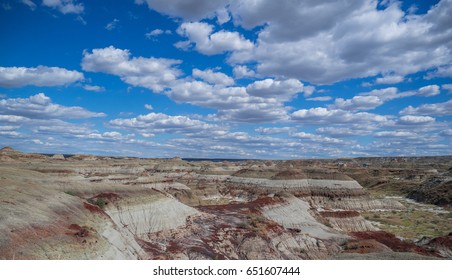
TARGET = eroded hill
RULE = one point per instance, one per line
(87, 207)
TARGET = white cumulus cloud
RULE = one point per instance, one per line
(208, 42)
(435, 109)
(214, 78)
(93, 88)
(340, 132)
(430, 90)
(37, 76)
(320, 98)
(270, 88)
(415, 120)
(323, 41)
(447, 87)
(242, 71)
(40, 106)
(402, 134)
(392, 79)
(186, 9)
(358, 103)
(152, 73)
(157, 32)
(156, 123)
(273, 130)
(322, 115)
(233, 103)
(318, 139)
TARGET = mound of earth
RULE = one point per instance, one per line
(256, 173)
(7, 150)
(435, 190)
(289, 175)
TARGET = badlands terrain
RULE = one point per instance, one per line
(92, 207)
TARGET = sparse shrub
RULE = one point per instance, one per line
(328, 224)
(244, 225)
(101, 202)
(256, 220)
(352, 246)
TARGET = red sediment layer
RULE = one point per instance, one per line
(92, 208)
(444, 241)
(248, 207)
(173, 247)
(155, 251)
(391, 241)
(57, 171)
(108, 196)
(74, 227)
(339, 214)
(290, 175)
(205, 251)
(79, 231)
(330, 193)
(364, 246)
(20, 240)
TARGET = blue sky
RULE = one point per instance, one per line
(227, 78)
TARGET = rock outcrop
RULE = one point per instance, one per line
(436, 189)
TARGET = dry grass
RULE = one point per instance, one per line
(414, 222)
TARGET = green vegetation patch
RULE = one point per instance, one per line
(414, 222)
(101, 202)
